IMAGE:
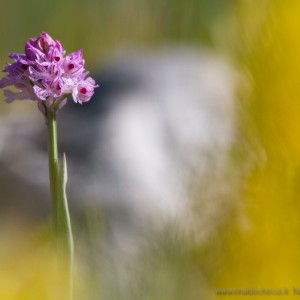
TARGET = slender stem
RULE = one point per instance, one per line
(53, 164)
(60, 211)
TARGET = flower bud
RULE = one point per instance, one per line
(43, 42)
(38, 47)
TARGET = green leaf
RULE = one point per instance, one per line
(64, 229)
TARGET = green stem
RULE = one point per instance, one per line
(60, 211)
(53, 165)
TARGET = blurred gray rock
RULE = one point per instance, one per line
(159, 122)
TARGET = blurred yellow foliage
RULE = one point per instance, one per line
(266, 253)
(32, 269)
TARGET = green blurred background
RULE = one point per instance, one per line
(100, 27)
(261, 39)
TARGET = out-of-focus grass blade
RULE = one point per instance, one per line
(64, 229)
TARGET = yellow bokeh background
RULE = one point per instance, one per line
(264, 253)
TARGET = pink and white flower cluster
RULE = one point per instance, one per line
(44, 74)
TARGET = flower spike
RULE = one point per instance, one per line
(44, 73)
